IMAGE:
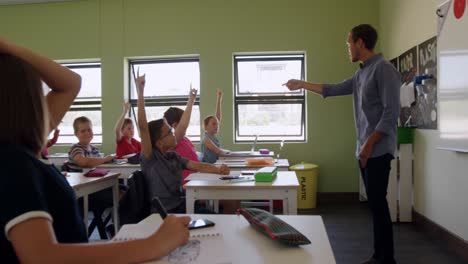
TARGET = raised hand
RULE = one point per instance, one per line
(193, 93)
(220, 93)
(126, 107)
(140, 82)
(294, 84)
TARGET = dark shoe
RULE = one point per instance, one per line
(371, 260)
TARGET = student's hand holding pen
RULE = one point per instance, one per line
(294, 84)
(224, 170)
(172, 234)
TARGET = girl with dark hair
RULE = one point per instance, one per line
(39, 213)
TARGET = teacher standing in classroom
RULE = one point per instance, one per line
(375, 87)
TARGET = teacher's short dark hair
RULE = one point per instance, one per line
(367, 33)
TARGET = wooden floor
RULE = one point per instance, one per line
(349, 227)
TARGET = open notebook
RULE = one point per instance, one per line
(204, 246)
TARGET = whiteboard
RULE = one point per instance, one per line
(453, 75)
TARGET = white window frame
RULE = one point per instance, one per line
(84, 103)
(296, 97)
(162, 101)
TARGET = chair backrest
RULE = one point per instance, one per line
(135, 205)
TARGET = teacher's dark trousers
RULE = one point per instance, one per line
(375, 177)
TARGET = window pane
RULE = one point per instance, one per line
(90, 88)
(157, 112)
(67, 134)
(270, 121)
(90, 81)
(168, 78)
(267, 76)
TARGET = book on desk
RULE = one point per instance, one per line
(204, 246)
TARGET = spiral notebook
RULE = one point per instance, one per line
(205, 245)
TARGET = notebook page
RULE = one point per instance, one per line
(204, 248)
(205, 245)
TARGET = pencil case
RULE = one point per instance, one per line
(259, 161)
(266, 174)
(96, 173)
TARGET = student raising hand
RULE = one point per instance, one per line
(124, 132)
(146, 143)
(120, 122)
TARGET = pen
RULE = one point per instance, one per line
(160, 207)
(246, 179)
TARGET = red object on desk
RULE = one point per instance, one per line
(459, 8)
(96, 173)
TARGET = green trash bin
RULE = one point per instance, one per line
(307, 176)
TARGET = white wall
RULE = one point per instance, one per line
(440, 177)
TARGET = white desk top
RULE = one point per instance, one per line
(245, 154)
(284, 179)
(58, 155)
(243, 244)
(240, 163)
(118, 166)
(78, 180)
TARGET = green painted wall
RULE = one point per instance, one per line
(115, 29)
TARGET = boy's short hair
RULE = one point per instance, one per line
(127, 121)
(173, 115)
(367, 33)
(22, 104)
(78, 121)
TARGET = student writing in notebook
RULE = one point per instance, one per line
(39, 213)
(210, 145)
(179, 120)
(161, 167)
(124, 131)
